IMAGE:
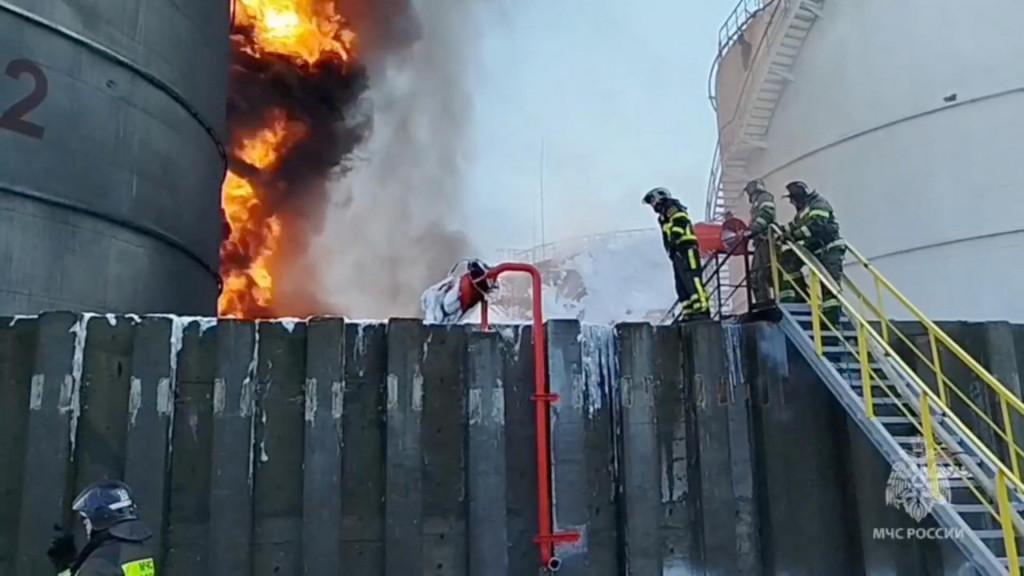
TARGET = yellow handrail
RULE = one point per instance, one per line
(938, 333)
(1008, 401)
(910, 375)
(944, 384)
(997, 503)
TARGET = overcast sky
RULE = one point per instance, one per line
(618, 92)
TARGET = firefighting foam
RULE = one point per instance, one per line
(293, 77)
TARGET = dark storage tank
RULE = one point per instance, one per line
(111, 116)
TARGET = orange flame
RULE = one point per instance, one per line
(306, 30)
(254, 232)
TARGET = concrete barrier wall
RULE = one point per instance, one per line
(292, 448)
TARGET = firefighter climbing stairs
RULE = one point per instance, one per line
(953, 454)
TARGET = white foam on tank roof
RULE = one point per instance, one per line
(626, 276)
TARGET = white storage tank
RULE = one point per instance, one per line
(908, 116)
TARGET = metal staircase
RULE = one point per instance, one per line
(776, 53)
(972, 487)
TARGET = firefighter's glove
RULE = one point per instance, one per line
(62, 549)
(792, 234)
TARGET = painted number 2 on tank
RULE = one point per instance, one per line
(14, 117)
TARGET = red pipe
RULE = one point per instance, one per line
(541, 399)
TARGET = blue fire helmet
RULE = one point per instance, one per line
(104, 504)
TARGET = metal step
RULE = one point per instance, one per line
(893, 420)
(797, 33)
(852, 366)
(981, 509)
(991, 534)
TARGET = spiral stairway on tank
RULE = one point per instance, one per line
(790, 25)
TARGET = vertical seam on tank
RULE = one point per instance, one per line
(151, 232)
(124, 61)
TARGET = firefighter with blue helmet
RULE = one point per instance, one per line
(680, 243)
(116, 537)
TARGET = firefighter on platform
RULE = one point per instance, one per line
(448, 301)
(816, 229)
(762, 216)
(680, 242)
(116, 538)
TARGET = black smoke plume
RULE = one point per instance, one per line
(322, 97)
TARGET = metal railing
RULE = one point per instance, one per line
(714, 183)
(570, 246)
(721, 294)
(737, 22)
(939, 345)
(729, 32)
(926, 406)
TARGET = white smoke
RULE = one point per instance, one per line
(390, 228)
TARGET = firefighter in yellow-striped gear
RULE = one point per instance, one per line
(762, 216)
(680, 243)
(816, 229)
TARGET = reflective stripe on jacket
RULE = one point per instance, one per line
(762, 213)
(676, 229)
(815, 225)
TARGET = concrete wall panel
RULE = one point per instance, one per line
(396, 449)
(17, 342)
(485, 460)
(53, 412)
(231, 486)
(363, 448)
(658, 499)
(443, 395)
(403, 498)
(188, 542)
(321, 461)
(148, 433)
(277, 451)
(517, 366)
(801, 469)
(581, 455)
